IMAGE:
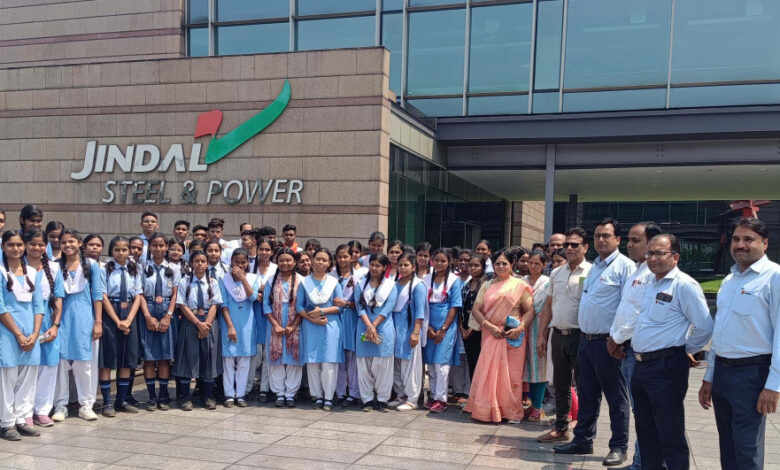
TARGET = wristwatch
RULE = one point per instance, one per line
(170, 313)
(56, 324)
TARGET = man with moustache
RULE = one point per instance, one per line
(743, 368)
(556, 241)
(673, 302)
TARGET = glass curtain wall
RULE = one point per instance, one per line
(488, 57)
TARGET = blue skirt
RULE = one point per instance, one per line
(157, 346)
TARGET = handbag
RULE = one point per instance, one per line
(512, 322)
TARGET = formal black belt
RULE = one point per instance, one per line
(746, 361)
(596, 336)
(660, 354)
(567, 331)
(151, 299)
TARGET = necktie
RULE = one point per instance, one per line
(201, 303)
(122, 284)
(158, 283)
(213, 272)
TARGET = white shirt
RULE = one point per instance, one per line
(630, 304)
(566, 291)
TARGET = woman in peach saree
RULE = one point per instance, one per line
(497, 387)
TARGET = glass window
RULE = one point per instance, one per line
(392, 38)
(335, 33)
(500, 49)
(727, 95)
(392, 5)
(425, 3)
(317, 7)
(199, 42)
(508, 104)
(253, 38)
(617, 43)
(198, 11)
(232, 10)
(549, 28)
(723, 40)
(436, 107)
(545, 103)
(436, 42)
(652, 98)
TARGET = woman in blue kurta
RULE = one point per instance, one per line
(408, 315)
(21, 312)
(239, 290)
(283, 338)
(49, 278)
(82, 323)
(264, 269)
(444, 298)
(323, 348)
(347, 381)
(376, 297)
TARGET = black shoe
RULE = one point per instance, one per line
(109, 411)
(151, 405)
(210, 404)
(381, 406)
(10, 434)
(615, 457)
(164, 405)
(573, 448)
(327, 406)
(131, 400)
(348, 402)
(279, 402)
(126, 407)
(27, 430)
(186, 405)
(368, 406)
(263, 398)
(290, 403)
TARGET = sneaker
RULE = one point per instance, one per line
(43, 421)
(368, 406)
(318, 404)
(10, 434)
(263, 397)
(210, 404)
(186, 405)
(150, 405)
(381, 406)
(279, 402)
(348, 402)
(27, 429)
(438, 406)
(327, 406)
(290, 403)
(131, 400)
(229, 403)
(163, 406)
(109, 411)
(60, 413)
(86, 413)
(428, 404)
(408, 406)
(396, 403)
(126, 407)
(240, 402)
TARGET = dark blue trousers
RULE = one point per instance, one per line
(600, 373)
(735, 391)
(659, 387)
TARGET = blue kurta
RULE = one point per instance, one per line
(23, 314)
(403, 326)
(287, 358)
(50, 351)
(385, 329)
(243, 317)
(261, 323)
(320, 343)
(78, 316)
(445, 352)
(349, 317)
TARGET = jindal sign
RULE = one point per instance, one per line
(144, 158)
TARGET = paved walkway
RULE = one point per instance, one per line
(267, 437)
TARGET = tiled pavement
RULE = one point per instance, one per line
(267, 437)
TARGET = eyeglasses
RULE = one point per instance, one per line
(571, 245)
(604, 236)
(657, 254)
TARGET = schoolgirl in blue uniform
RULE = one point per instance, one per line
(323, 348)
(21, 313)
(444, 300)
(119, 345)
(216, 268)
(81, 325)
(49, 278)
(348, 373)
(160, 283)
(376, 297)
(175, 256)
(198, 348)
(409, 312)
(239, 290)
(92, 249)
(283, 336)
(265, 270)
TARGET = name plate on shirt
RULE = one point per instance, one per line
(663, 297)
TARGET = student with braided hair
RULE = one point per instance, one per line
(49, 278)
(21, 313)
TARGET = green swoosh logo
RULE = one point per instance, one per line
(219, 148)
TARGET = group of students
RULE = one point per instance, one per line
(362, 325)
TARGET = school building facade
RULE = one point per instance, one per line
(442, 120)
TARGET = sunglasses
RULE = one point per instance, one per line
(571, 245)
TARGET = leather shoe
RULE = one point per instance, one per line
(573, 448)
(615, 457)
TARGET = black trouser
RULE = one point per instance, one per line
(659, 387)
(473, 345)
(600, 373)
(564, 358)
(735, 391)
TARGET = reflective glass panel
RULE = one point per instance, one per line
(253, 38)
(653, 98)
(439, 106)
(436, 42)
(728, 95)
(425, 3)
(722, 40)
(316, 7)
(392, 5)
(199, 42)
(545, 103)
(549, 28)
(500, 50)
(231, 10)
(198, 11)
(508, 104)
(335, 33)
(392, 38)
(617, 43)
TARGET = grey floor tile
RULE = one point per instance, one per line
(325, 443)
(217, 444)
(406, 463)
(312, 453)
(165, 463)
(80, 453)
(354, 428)
(272, 461)
(36, 462)
(235, 435)
(434, 444)
(423, 454)
(440, 436)
(373, 439)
